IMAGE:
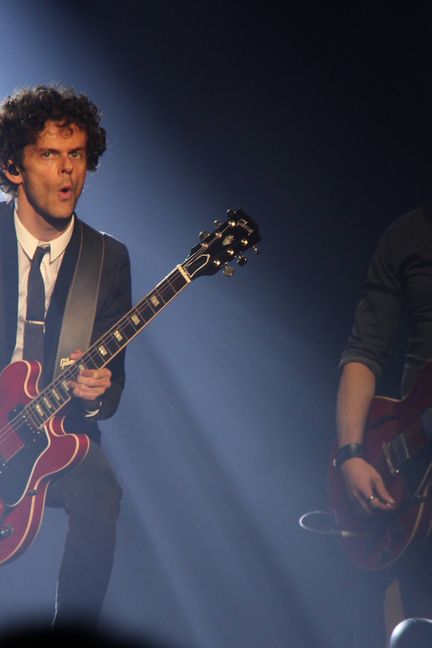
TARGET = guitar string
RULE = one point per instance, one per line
(92, 353)
(409, 431)
(18, 423)
(14, 425)
(399, 442)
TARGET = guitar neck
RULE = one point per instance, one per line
(55, 396)
(214, 252)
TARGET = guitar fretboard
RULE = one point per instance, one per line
(55, 396)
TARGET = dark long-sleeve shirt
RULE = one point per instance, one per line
(399, 280)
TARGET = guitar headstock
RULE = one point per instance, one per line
(228, 242)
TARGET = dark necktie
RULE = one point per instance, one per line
(34, 326)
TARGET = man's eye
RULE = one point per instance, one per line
(77, 154)
(46, 154)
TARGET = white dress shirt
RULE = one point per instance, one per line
(50, 266)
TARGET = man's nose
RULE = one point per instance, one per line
(66, 164)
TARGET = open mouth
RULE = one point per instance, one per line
(66, 192)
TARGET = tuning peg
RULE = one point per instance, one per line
(241, 260)
(228, 270)
(217, 223)
(203, 235)
(256, 250)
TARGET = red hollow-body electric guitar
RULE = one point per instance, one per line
(398, 444)
(34, 447)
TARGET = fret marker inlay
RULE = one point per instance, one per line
(154, 300)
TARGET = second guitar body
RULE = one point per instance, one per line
(397, 442)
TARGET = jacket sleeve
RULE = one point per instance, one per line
(379, 310)
(114, 303)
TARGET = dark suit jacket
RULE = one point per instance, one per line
(113, 301)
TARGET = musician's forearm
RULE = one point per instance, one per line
(356, 390)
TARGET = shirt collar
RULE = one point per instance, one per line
(29, 243)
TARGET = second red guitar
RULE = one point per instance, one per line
(397, 443)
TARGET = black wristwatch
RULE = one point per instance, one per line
(346, 452)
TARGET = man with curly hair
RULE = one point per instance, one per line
(50, 136)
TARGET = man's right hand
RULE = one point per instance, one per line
(365, 486)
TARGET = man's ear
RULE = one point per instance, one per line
(12, 169)
(12, 172)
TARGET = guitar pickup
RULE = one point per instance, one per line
(396, 453)
(390, 460)
(26, 430)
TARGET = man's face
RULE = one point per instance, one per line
(53, 171)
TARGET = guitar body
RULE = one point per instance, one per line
(30, 458)
(397, 443)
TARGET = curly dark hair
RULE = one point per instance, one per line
(23, 116)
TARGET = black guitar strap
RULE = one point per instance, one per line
(80, 309)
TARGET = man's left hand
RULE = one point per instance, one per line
(91, 384)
